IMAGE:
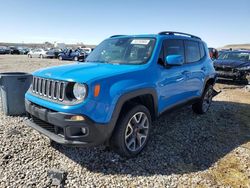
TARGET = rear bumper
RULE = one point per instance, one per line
(60, 128)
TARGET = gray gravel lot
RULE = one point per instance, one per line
(185, 149)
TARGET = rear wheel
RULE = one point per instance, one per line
(132, 131)
(29, 56)
(41, 56)
(204, 103)
(75, 58)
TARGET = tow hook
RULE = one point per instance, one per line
(215, 92)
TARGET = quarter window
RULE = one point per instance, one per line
(202, 50)
(192, 51)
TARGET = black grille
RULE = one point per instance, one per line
(49, 127)
(227, 69)
(48, 88)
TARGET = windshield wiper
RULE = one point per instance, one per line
(98, 61)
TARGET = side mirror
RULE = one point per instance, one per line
(174, 60)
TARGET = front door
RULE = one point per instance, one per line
(172, 79)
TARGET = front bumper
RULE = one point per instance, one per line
(230, 74)
(60, 128)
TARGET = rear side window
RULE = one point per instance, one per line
(192, 51)
(174, 47)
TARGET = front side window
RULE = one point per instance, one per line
(174, 47)
(192, 51)
(129, 50)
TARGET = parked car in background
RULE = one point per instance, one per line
(14, 50)
(2, 49)
(38, 52)
(23, 50)
(213, 53)
(7, 50)
(125, 84)
(87, 50)
(233, 65)
(75, 55)
(53, 53)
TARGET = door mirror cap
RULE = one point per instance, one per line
(174, 60)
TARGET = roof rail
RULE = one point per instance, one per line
(116, 36)
(178, 33)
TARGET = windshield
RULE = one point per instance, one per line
(127, 50)
(238, 56)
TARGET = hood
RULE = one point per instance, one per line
(230, 63)
(84, 72)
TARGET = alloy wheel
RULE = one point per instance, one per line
(137, 131)
(207, 100)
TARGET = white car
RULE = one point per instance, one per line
(87, 50)
(39, 52)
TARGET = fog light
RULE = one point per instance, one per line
(77, 118)
(84, 130)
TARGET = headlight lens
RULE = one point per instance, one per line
(80, 91)
(244, 68)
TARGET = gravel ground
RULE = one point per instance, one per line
(185, 149)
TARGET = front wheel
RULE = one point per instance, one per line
(132, 131)
(204, 103)
(60, 58)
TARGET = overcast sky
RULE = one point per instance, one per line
(218, 22)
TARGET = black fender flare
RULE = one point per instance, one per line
(214, 77)
(128, 96)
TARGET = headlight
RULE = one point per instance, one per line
(244, 68)
(80, 91)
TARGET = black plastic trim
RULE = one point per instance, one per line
(178, 33)
(97, 132)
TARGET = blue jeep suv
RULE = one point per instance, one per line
(125, 84)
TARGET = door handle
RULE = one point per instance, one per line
(203, 68)
(179, 79)
(185, 72)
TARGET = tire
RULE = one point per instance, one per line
(130, 129)
(41, 56)
(75, 58)
(244, 80)
(60, 58)
(29, 56)
(204, 103)
(53, 144)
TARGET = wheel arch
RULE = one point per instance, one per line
(146, 97)
(209, 81)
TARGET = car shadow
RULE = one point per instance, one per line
(181, 142)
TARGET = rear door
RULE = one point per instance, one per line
(194, 60)
(37, 52)
(34, 54)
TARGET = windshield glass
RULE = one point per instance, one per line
(238, 56)
(127, 50)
